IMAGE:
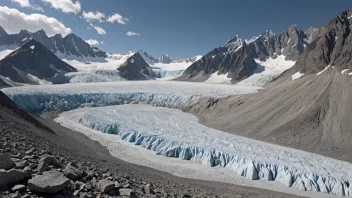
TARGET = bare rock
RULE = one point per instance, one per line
(73, 172)
(50, 182)
(11, 177)
(42, 167)
(50, 160)
(106, 185)
(6, 163)
(127, 192)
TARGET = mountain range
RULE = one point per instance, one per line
(68, 47)
(236, 58)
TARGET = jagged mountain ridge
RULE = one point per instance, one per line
(70, 46)
(290, 43)
(33, 62)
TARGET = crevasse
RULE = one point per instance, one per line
(248, 158)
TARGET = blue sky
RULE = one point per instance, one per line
(180, 28)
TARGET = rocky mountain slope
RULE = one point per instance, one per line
(306, 107)
(70, 46)
(290, 43)
(32, 63)
(234, 59)
(136, 68)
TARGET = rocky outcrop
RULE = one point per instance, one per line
(136, 68)
(234, 59)
(165, 59)
(33, 62)
(50, 182)
(70, 46)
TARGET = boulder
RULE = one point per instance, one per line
(73, 172)
(50, 160)
(11, 177)
(127, 192)
(106, 185)
(50, 182)
(42, 167)
(6, 163)
(22, 164)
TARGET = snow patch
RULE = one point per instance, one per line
(326, 68)
(216, 78)
(32, 47)
(267, 70)
(297, 75)
(132, 60)
(344, 71)
(38, 80)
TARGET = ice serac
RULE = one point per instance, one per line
(32, 62)
(311, 112)
(234, 58)
(136, 68)
(166, 132)
(69, 47)
(36, 99)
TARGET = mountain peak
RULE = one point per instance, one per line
(165, 59)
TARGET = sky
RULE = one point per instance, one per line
(179, 28)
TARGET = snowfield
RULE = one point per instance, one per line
(172, 133)
(267, 71)
(36, 99)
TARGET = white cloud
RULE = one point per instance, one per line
(66, 6)
(130, 33)
(27, 4)
(102, 43)
(100, 30)
(92, 42)
(91, 16)
(13, 21)
(117, 18)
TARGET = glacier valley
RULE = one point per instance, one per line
(172, 133)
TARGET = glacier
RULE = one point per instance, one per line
(94, 76)
(64, 97)
(173, 133)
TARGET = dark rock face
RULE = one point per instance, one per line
(6, 163)
(70, 45)
(136, 68)
(165, 59)
(35, 59)
(332, 46)
(234, 58)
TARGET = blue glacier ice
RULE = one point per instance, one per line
(172, 133)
